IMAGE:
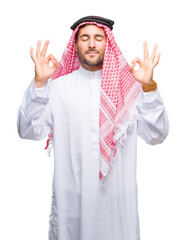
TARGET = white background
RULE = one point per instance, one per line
(25, 169)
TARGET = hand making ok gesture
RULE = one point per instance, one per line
(144, 74)
(43, 70)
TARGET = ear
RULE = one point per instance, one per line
(76, 46)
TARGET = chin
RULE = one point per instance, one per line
(95, 62)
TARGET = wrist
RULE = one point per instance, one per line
(151, 87)
(39, 83)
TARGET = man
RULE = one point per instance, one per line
(95, 106)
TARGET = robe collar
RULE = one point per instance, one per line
(90, 74)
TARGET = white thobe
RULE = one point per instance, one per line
(81, 208)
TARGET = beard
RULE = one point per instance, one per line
(95, 60)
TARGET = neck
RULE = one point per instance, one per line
(91, 68)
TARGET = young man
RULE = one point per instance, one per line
(95, 106)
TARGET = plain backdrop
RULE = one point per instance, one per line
(26, 170)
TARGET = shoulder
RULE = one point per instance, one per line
(62, 85)
(63, 79)
(59, 82)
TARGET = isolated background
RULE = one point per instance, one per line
(26, 171)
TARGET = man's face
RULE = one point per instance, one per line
(90, 46)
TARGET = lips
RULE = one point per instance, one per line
(92, 52)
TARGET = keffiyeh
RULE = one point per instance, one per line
(118, 92)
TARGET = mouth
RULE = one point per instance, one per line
(91, 52)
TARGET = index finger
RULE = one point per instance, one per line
(145, 50)
(43, 52)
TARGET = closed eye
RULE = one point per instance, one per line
(99, 37)
(84, 37)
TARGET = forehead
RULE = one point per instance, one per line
(91, 30)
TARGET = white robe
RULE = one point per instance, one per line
(81, 208)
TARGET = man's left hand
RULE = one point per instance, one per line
(144, 74)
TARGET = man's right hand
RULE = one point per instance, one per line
(43, 71)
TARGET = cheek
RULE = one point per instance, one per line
(101, 48)
(81, 47)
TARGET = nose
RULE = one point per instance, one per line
(91, 43)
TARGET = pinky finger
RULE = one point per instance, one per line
(32, 55)
(157, 60)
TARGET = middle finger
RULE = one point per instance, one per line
(38, 48)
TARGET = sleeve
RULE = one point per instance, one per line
(153, 124)
(34, 120)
